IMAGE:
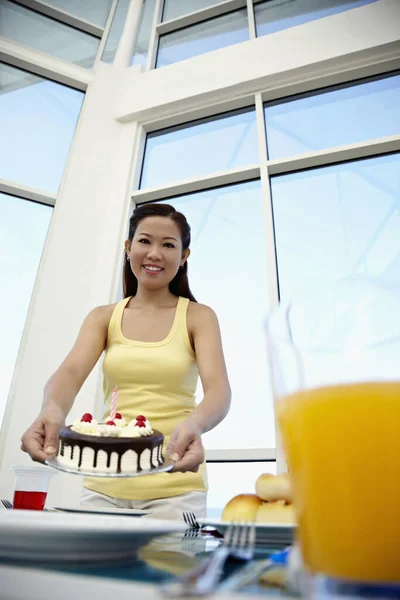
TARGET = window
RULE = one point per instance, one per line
(144, 33)
(23, 230)
(337, 221)
(176, 8)
(227, 480)
(200, 148)
(116, 29)
(39, 32)
(359, 112)
(37, 123)
(94, 11)
(275, 15)
(203, 37)
(228, 244)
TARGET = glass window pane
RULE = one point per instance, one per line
(344, 116)
(176, 8)
(144, 33)
(37, 124)
(276, 15)
(115, 32)
(337, 221)
(228, 243)
(204, 147)
(32, 29)
(94, 11)
(23, 230)
(227, 480)
(203, 37)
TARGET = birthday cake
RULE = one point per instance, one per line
(111, 447)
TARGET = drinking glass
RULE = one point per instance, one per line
(31, 487)
(334, 357)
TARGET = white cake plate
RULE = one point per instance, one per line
(53, 462)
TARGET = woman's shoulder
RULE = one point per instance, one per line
(101, 315)
(199, 314)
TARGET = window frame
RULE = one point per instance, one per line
(203, 19)
(263, 170)
(51, 67)
(308, 78)
(63, 16)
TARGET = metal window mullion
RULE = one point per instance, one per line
(197, 184)
(261, 135)
(138, 159)
(322, 158)
(62, 16)
(107, 28)
(272, 286)
(42, 64)
(251, 20)
(198, 16)
(27, 193)
(153, 41)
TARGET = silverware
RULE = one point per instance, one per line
(239, 542)
(251, 571)
(190, 519)
(195, 529)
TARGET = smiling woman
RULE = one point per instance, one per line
(158, 245)
(157, 341)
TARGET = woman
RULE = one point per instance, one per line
(157, 341)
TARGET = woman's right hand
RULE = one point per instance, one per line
(40, 440)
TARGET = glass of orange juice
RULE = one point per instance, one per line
(335, 366)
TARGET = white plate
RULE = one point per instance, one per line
(32, 536)
(53, 462)
(133, 512)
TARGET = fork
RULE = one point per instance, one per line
(239, 542)
(190, 519)
(195, 530)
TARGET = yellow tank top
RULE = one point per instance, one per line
(158, 380)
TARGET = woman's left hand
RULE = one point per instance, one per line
(185, 448)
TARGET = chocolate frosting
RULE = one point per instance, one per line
(73, 439)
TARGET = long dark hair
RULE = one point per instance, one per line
(179, 286)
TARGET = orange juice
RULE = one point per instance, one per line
(343, 449)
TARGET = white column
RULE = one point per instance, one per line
(78, 271)
(127, 40)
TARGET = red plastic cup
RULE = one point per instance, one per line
(31, 487)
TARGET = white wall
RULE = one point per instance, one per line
(80, 265)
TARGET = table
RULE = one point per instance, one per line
(161, 560)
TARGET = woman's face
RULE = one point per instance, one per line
(155, 253)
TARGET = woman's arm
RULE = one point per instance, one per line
(41, 439)
(185, 443)
(204, 327)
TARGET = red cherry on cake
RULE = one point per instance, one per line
(110, 423)
(141, 418)
(118, 416)
(140, 424)
(87, 418)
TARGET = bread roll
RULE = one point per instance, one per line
(275, 512)
(274, 487)
(241, 508)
